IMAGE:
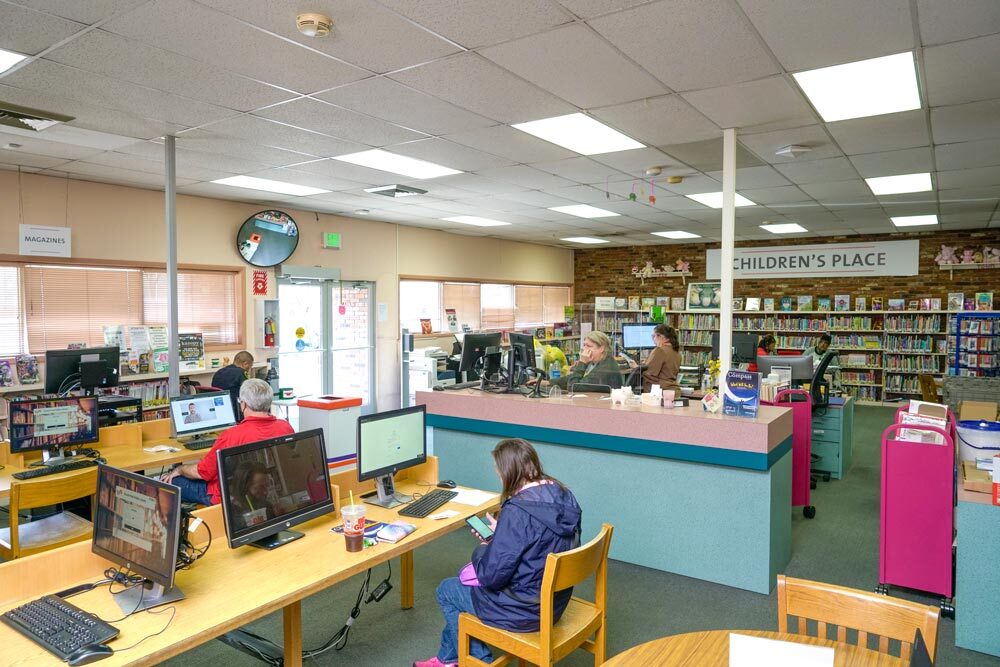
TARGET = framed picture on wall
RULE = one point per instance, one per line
(704, 296)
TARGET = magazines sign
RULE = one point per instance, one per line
(871, 258)
(44, 241)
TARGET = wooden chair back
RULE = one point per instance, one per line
(928, 389)
(847, 608)
(45, 491)
(569, 568)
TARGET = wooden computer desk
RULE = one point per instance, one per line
(226, 589)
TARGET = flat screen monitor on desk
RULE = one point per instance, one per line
(137, 525)
(87, 368)
(387, 443)
(744, 347)
(638, 336)
(201, 413)
(53, 424)
(272, 485)
(474, 353)
(801, 366)
(522, 356)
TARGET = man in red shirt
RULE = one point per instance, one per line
(199, 482)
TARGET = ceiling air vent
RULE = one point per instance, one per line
(396, 191)
(24, 118)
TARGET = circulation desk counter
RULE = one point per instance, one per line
(698, 494)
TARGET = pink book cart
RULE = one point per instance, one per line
(800, 403)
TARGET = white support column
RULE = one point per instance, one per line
(170, 197)
(727, 253)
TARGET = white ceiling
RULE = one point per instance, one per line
(442, 80)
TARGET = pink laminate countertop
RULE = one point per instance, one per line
(588, 413)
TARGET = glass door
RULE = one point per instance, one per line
(301, 350)
(352, 341)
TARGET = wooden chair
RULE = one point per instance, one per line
(24, 539)
(928, 389)
(868, 613)
(581, 620)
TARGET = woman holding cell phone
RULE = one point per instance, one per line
(501, 585)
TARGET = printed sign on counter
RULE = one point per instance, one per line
(741, 395)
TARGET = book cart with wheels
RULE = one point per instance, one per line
(800, 403)
(917, 513)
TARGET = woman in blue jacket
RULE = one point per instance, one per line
(538, 516)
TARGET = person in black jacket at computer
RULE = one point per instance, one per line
(231, 378)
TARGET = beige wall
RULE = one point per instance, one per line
(113, 222)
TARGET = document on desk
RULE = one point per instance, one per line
(747, 651)
(473, 497)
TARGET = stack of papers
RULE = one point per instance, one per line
(473, 497)
(747, 651)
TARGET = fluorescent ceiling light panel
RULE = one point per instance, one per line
(714, 199)
(580, 133)
(914, 220)
(584, 239)
(894, 185)
(268, 185)
(397, 164)
(677, 235)
(476, 220)
(584, 211)
(788, 228)
(864, 88)
(8, 59)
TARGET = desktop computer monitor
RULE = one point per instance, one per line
(744, 347)
(52, 424)
(801, 366)
(87, 368)
(474, 349)
(521, 357)
(387, 443)
(638, 336)
(137, 525)
(201, 413)
(272, 485)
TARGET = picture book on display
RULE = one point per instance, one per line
(956, 301)
(648, 302)
(6, 373)
(876, 303)
(753, 303)
(805, 303)
(925, 303)
(936, 303)
(769, 304)
(786, 304)
(676, 303)
(897, 304)
(913, 304)
(634, 303)
(425, 325)
(27, 369)
(860, 303)
(823, 304)
(984, 300)
(738, 303)
(842, 302)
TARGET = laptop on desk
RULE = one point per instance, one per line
(197, 420)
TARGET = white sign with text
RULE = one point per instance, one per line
(865, 258)
(45, 241)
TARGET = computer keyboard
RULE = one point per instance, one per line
(199, 444)
(462, 385)
(78, 464)
(427, 503)
(58, 626)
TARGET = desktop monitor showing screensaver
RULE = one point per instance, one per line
(51, 424)
(272, 485)
(200, 413)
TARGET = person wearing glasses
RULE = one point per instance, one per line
(199, 482)
(596, 364)
(664, 362)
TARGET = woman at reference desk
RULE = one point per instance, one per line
(596, 364)
(664, 362)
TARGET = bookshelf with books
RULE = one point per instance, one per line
(973, 344)
(697, 328)
(913, 345)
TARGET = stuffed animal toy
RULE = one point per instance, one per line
(968, 256)
(991, 255)
(682, 266)
(977, 258)
(553, 355)
(946, 256)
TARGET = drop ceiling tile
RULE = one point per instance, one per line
(667, 119)
(891, 163)
(365, 33)
(754, 177)
(967, 154)
(966, 122)
(318, 116)
(338, 170)
(948, 22)
(185, 170)
(474, 83)
(764, 105)
(512, 144)
(966, 224)
(88, 12)
(25, 159)
(576, 64)
(314, 205)
(306, 178)
(778, 195)
(962, 71)
(969, 178)
(580, 169)
(449, 154)
(216, 191)
(816, 171)
(581, 194)
(475, 23)
(894, 131)
(526, 177)
(392, 101)
(814, 137)
(976, 207)
(978, 217)
(693, 30)
(693, 185)
(96, 90)
(840, 193)
(635, 162)
(924, 199)
(361, 199)
(438, 189)
(105, 173)
(679, 205)
(479, 184)
(29, 32)
(37, 146)
(115, 57)
(210, 142)
(276, 135)
(807, 35)
(707, 155)
(536, 199)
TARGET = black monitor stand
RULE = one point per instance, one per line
(146, 596)
(279, 539)
(385, 494)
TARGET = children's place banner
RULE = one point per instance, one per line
(875, 258)
(741, 395)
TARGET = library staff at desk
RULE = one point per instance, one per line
(596, 364)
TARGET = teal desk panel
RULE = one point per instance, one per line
(977, 584)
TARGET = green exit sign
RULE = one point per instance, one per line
(331, 240)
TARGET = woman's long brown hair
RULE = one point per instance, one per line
(518, 464)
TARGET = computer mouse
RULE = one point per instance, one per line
(446, 484)
(89, 653)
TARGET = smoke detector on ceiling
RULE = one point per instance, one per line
(792, 151)
(654, 171)
(395, 191)
(674, 180)
(312, 24)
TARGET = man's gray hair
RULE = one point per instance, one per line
(257, 395)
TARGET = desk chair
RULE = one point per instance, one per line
(553, 642)
(24, 539)
(868, 613)
(928, 389)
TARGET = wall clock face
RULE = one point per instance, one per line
(267, 238)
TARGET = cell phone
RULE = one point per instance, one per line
(480, 528)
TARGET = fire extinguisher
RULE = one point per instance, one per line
(268, 332)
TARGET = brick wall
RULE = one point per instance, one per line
(608, 271)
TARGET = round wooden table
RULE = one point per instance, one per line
(711, 649)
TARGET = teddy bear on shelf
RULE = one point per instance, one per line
(946, 256)
(968, 256)
(991, 255)
(682, 266)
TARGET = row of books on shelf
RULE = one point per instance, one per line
(956, 301)
(691, 321)
(153, 393)
(974, 344)
(975, 327)
(771, 322)
(861, 360)
(854, 341)
(912, 324)
(853, 323)
(912, 364)
(977, 360)
(915, 344)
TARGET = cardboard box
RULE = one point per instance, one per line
(977, 410)
(974, 479)
(925, 414)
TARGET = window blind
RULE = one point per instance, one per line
(528, 306)
(12, 333)
(464, 298)
(554, 300)
(497, 306)
(206, 303)
(419, 299)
